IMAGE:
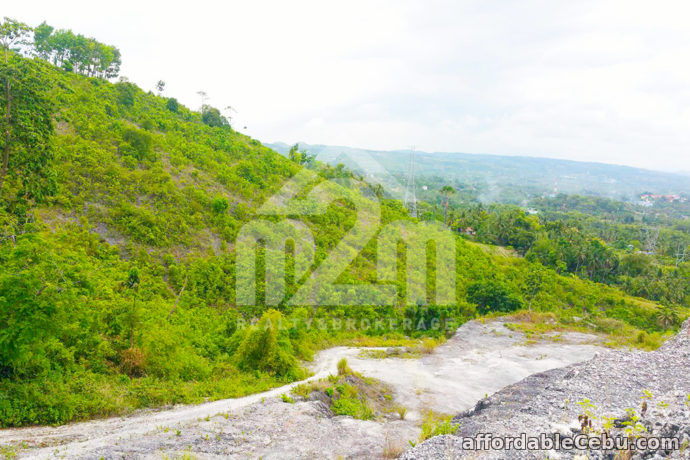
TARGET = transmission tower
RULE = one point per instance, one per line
(680, 256)
(410, 194)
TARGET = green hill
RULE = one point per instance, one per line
(118, 263)
(507, 179)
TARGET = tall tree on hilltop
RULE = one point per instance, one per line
(13, 33)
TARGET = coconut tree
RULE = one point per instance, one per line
(446, 191)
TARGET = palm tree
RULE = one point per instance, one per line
(446, 191)
(667, 316)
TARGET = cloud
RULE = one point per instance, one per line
(593, 80)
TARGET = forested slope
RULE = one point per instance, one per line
(117, 259)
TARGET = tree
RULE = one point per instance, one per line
(42, 45)
(160, 87)
(172, 105)
(76, 53)
(533, 283)
(27, 126)
(492, 296)
(446, 191)
(212, 117)
(132, 285)
(13, 33)
(667, 316)
(302, 158)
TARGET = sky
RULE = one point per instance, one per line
(593, 80)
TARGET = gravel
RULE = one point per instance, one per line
(547, 403)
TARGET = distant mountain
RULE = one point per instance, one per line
(503, 178)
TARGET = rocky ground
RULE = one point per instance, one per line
(479, 359)
(655, 385)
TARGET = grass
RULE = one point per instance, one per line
(414, 350)
(343, 369)
(612, 332)
(435, 424)
(392, 449)
(8, 452)
(351, 394)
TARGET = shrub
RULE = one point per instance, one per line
(220, 204)
(343, 368)
(137, 143)
(492, 296)
(212, 117)
(435, 425)
(133, 362)
(354, 407)
(172, 105)
(125, 94)
(267, 347)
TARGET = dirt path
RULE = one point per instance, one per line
(479, 359)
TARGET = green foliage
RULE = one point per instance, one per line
(125, 93)
(353, 407)
(137, 143)
(267, 347)
(492, 296)
(212, 117)
(172, 105)
(436, 425)
(26, 147)
(77, 53)
(343, 367)
(117, 275)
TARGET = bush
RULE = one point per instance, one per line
(492, 296)
(172, 105)
(212, 117)
(220, 204)
(125, 94)
(137, 143)
(352, 406)
(267, 347)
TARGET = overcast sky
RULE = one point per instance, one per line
(595, 80)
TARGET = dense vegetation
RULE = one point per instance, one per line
(118, 220)
(505, 179)
(646, 260)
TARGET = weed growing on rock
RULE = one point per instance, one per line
(435, 425)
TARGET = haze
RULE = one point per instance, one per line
(594, 80)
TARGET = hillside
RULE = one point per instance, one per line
(118, 261)
(509, 179)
